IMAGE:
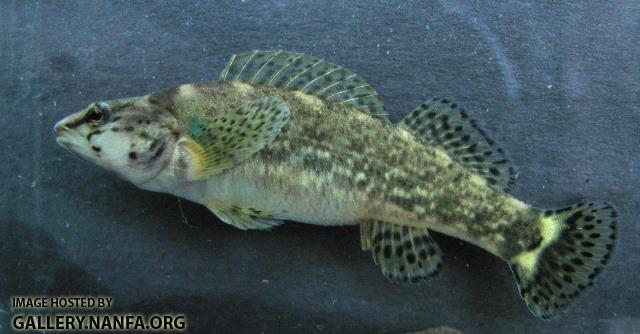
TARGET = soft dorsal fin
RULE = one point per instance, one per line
(298, 71)
(219, 143)
(443, 123)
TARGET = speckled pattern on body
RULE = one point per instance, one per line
(555, 84)
(395, 178)
(257, 154)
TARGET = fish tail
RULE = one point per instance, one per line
(576, 244)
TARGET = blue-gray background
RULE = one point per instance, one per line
(557, 85)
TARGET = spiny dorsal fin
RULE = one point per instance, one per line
(298, 71)
(405, 254)
(443, 123)
(216, 144)
(243, 218)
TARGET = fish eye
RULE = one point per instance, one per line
(95, 115)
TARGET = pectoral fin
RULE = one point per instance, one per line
(405, 254)
(243, 218)
(219, 143)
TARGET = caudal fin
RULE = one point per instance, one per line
(577, 243)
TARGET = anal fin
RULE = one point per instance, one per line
(405, 254)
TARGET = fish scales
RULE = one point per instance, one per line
(287, 136)
(392, 176)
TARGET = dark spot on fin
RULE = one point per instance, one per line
(407, 254)
(535, 244)
(442, 123)
(568, 265)
(243, 218)
(298, 71)
(218, 145)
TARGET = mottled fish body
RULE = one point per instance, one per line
(285, 136)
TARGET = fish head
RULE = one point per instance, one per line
(134, 138)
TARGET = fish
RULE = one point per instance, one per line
(285, 136)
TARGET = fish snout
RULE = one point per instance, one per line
(64, 142)
(64, 132)
(61, 127)
(68, 123)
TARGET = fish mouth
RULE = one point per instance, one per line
(64, 142)
(60, 127)
(71, 147)
(70, 139)
(65, 135)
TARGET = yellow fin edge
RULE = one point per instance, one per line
(194, 158)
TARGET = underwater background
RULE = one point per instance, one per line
(557, 85)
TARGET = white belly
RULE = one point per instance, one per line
(299, 198)
(302, 198)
